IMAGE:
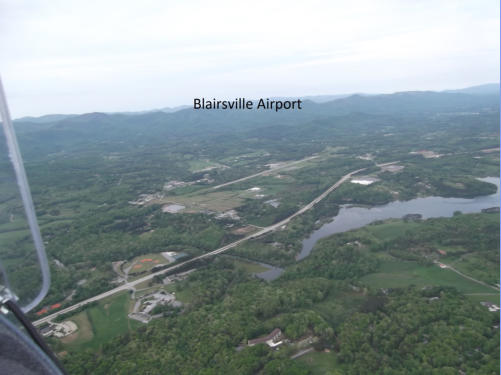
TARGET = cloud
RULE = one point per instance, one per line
(79, 56)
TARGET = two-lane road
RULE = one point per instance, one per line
(130, 285)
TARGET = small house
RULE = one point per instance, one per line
(272, 340)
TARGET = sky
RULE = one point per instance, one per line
(78, 56)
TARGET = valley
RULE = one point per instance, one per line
(164, 231)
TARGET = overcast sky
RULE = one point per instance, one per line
(76, 56)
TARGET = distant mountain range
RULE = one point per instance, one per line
(345, 103)
(105, 132)
(487, 89)
(57, 117)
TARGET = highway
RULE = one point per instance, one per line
(130, 285)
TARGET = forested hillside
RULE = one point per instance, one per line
(407, 329)
(113, 192)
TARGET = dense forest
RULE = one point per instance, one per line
(85, 169)
(100, 183)
(408, 329)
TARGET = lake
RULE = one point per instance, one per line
(271, 274)
(353, 217)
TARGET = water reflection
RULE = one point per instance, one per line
(350, 217)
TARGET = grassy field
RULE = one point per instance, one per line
(214, 201)
(199, 165)
(249, 267)
(245, 157)
(393, 274)
(144, 263)
(476, 265)
(272, 186)
(185, 296)
(84, 332)
(233, 196)
(101, 323)
(484, 297)
(321, 363)
(145, 285)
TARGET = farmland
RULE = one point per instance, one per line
(100, 184)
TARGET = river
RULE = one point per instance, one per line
(353, 217)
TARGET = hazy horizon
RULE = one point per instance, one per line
(189, 104)
(124, 56)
